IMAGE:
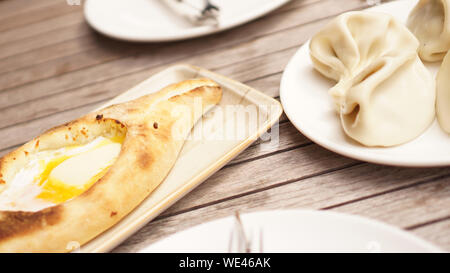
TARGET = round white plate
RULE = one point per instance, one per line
(153, 21)
(298, 231)
(305, 99)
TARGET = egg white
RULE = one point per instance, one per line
(22, 193)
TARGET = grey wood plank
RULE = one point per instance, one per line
(47, 54)
(30, 24)
(407, 207)
(437, 233)
(52, 37)
(10, 8)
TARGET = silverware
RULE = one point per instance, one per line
(373, 2)
(210, 10)
(206, 14)
(239, 242)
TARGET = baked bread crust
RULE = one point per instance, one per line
(155, 127)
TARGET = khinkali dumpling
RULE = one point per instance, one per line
(430, 23)
(443, 94)
(385, 96)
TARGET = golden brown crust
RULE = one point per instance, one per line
(148, 153)
(14, 223)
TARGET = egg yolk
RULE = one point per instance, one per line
(68, 175)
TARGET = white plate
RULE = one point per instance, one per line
(152, 21)
(306, 102)
(298, 231)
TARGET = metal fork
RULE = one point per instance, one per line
(374, 2)
(208, 14)
(239, 242)
(210, 9)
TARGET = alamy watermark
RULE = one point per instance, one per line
(227, 123)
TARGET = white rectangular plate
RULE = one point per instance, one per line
(213, 142)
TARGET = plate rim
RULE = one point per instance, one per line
(392, 229)
(336, 147)
(200, 31)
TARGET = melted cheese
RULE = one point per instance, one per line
(53, 177)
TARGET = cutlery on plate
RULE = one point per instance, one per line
(239, 242)
(373, 2)
(206, 14)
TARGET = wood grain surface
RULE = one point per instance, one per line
(54, 68)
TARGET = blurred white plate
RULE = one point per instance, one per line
(298, 231)
(307, 104)
(152, 21)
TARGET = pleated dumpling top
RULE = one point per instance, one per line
(384, 94)
(429, 21)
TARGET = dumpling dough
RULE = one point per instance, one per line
(429, 22)
(385, 96)
(443, 94)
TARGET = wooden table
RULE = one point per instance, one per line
(54, 68)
